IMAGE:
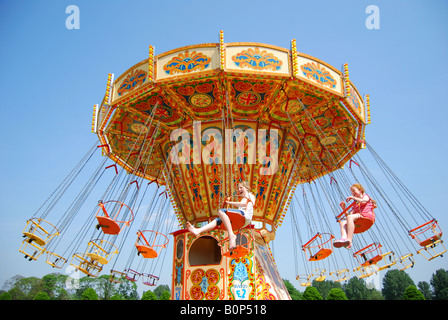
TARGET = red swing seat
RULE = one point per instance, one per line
(362, 224)
(108, 224)
(427, 233)
(131, 275)
(369, 255)
(244, 244)
(238, 252)
(237, 220)
(320, 242)
(150, 250)
(149, 279)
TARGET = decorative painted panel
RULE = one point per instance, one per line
(187, 61)
(356, 103)
(131, 80)
(258, 58)
(319, 73)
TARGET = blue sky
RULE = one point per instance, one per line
(52, 77)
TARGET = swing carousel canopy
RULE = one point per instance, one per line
(165, 119)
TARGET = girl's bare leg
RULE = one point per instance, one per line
(343, 225)
(232, 237)
(196, 231)
(351, 227)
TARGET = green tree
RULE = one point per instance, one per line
(166, 295)
(336, 294)
(439, 283)
(293, 292)
(128, 290)
(26, 288)
(356, 289)
(10, 283)
(42, 296)
(395, 283)
(325, 286)
(160, 290)
(425, 288)
(5, 296)
(104, 287)
(311, 293)
(149, 295)
(54, 284)
(412, 293)
(89, 294)
(375, 295)
(83, 284)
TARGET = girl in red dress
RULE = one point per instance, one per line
(363, 208)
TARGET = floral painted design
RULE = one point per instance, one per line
(204, 284)
(135, 78)
(318, 73)
(187, 62)
(257, 60)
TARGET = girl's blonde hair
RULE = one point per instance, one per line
(361, 188)
(358, 186)
(245, 184)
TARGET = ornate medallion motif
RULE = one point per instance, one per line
(257, 60)
(318, 73)
(135, 78)
(187, 62)
(204, 284)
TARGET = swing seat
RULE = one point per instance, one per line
(429, 231)
(320, 278)
(433, 250)
(132, 275)
(387, 261)
(321, 254)
(149, 279)
(54, 260)
(107, 225)
(152, 247)
(90, 268)
(322, 242)
(364, 271)
(97, 257)
(340, 275)
(405, 261)
(369, 255)
(321, 275)
(237, 220)
(100, 251)
(304, 279)
(238, 252)
(430, 240)
(35, 238)
(146, 251)
(363, 224)
(116, 276)
(373, 260)
(31, 250)
(243, 247)
(39, 231)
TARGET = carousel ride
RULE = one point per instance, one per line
(178, 132)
